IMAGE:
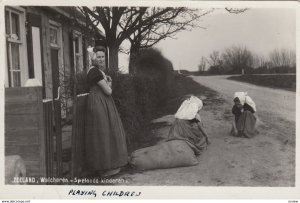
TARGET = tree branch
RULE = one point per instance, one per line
(236, 10)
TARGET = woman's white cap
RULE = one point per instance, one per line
(189, 108)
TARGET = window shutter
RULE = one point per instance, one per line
(84, 52)
(34, 20)
(72, 65)
(71, 52)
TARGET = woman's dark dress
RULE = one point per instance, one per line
(188, 131)
(105, 137)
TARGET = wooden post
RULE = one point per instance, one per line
(78, 134)
(58, 140)
(48, 120)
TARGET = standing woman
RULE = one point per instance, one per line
(106, 149)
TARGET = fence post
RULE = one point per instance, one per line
(78, 134)
(48, 122)
(58, 140)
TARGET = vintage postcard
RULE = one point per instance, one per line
(149, 99)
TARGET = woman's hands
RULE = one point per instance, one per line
(109, 80)
(106, 84)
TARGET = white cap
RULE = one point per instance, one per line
(189, 108)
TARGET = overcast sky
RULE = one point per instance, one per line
(260, 30)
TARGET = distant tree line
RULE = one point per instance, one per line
(240, 60)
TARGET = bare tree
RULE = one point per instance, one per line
(259, 61)
(215, 59)
(283, 57)
(202, 65)
(237, 58)
(236, 10)
(143, 26)
(166, 26)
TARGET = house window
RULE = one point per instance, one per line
(53, 37)
(77, 47)
(57, 68)
(15, 48)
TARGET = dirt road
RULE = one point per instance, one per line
(270, 102)
(268, 159)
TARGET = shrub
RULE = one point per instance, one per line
(284, 69)
(292, 69)
(249, 70)
(124, 95)
(154, 68)
(261, 70)
(216, 70)
(81, 83)
(277, 81)
(151, 62)
(138, 97)
(273, 70)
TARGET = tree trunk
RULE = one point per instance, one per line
(133, 56)
(113, 58)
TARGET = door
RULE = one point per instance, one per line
(56, 50)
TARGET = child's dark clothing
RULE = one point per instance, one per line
(237, 112)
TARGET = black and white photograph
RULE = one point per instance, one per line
(132, 95)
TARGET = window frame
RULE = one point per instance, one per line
(22, 45)
(57, 27)
(58, 46)
(77, 34)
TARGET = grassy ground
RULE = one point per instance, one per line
(287, 82)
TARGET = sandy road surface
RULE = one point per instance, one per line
(267, 159)
(270, 102)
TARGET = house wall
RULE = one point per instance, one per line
(36, 54)
(24, 133)
(24, 107)
(45, 47)
(47, 16)
(66, 58)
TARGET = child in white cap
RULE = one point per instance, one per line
(245, 119)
